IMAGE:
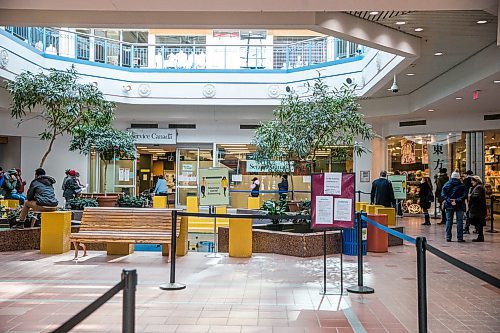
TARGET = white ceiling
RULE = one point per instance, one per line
(455, 33)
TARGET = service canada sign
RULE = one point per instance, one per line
(163, 136)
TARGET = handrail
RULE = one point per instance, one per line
(128, 284)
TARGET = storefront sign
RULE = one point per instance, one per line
(214, 187)
(282, 166)
(164, 136)
(407, 152)
(438, 158)
(398, 186)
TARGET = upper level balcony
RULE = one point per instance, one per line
(250, 51)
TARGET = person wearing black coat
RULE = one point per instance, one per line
(41, 196)
(425, 198)
(477, 207)
(382, 192)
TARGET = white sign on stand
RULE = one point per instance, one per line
(333, 183)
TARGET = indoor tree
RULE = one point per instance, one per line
(109, 143)
(324, 118)
(60, 101)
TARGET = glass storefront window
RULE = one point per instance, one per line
(492, 161)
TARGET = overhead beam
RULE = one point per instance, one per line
(245, 5)
(368, 33)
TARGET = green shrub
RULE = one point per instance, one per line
(81, 203)
(133, 202)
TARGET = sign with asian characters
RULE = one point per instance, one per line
(438, 158)
(407, 152)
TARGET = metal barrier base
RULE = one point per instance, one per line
(360, 290)
(492, 231)
(172, 286)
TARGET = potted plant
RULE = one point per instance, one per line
(59, 101)
(110, 144)
(274, 208)
(133, 202)
(79, 203)
(303, 225)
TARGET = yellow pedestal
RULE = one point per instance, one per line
(240, 238)
(364, 205)
(359, 205)
(390, 212)
(159, 201)
(55, 231)
(182, 239)
(253, 203)
(9, 203)
(370, 209)
(221, 221)
(120, 248)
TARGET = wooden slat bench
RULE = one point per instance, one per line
(125, 226)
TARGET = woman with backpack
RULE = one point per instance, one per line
(426, 198)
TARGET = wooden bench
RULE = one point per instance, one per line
(125, 226)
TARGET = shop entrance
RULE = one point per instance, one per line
(178, 165)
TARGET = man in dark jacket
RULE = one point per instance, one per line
(454, 195)
(283, 187)
(41, 196)
(382, 193)
(442, 178)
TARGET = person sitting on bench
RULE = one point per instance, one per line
(41, 196)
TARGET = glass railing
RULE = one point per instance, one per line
(252, 56)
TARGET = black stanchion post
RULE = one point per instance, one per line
(324, 262)
(173, 285)
(421, 285)
(360, 289)
(128, 311)
(492, 216)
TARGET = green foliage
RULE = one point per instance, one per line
(272, 207)
(108, 142)
(304, 209)
(59, 100)
(80, 203)
(302, 126)
(134, 202)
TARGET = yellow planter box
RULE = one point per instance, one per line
(240, 238)
(159, 201)
(55, 232)
(360, 205)
(253, 203)
(390, 212)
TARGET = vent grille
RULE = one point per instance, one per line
(249, 127)
(182, 126)
(383, 15)
(143, 125)
(492, 116)
(412, 123)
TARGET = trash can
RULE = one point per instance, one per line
(377, 239)
(350, 240)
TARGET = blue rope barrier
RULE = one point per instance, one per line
(389, 230)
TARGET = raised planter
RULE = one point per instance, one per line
(103, 199)
(287, 243)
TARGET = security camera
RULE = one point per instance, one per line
(394, 88)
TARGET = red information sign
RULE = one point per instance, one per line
(332, 200)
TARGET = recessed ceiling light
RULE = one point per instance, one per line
(374, 13)
(496, 81)
(458, 98)
(431, 110)
(438, 53)
(410, 74)
(400, 22)
(482, 22)
(419, 29)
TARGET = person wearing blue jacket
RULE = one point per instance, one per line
(454, 194)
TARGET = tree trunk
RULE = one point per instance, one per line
(291, 178)
(49, 149)
(105, 176)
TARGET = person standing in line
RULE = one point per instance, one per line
(382, 192)
(255, 187)
(468, 185)
(283, 187)
(425, 198)
(21, 181)
(161, 188)
(477, 207)
(454, 196)
(441, 179)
